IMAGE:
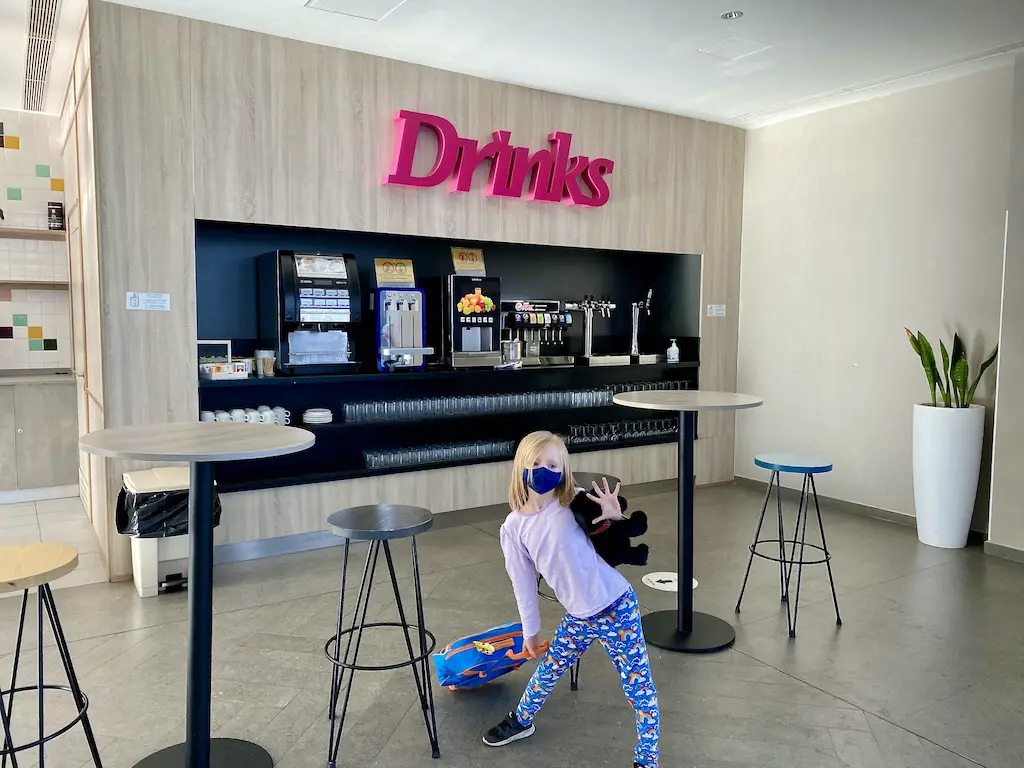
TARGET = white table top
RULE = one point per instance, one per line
(197, 441)
(687, 400)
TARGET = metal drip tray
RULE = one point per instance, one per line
(603, 360)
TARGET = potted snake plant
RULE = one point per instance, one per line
(948, 436)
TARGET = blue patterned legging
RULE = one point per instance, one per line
(618, 629)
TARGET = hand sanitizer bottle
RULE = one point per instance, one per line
(673, 352)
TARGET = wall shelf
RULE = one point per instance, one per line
(25, 283)
(32, 233)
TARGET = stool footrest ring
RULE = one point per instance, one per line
(46, 739)
(775, 559)
(381, 667)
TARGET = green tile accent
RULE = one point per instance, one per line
(35, 345)
(50, 345)
(21, 320)
(43, 171)
(14, 193)
(1, 129)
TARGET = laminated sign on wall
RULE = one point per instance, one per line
(148, 302)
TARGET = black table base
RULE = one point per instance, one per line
(224, 753)
(683, 630)
(709, 633)
(199, 750)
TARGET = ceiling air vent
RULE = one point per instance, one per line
(42, 23)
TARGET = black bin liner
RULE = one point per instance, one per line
(156, 515)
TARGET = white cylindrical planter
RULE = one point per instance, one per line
(947, 463)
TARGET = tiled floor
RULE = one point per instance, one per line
(926, 672)
(57, 520)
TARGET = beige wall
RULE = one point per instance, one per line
(1006, 526)
(857, 222)
(198, 120)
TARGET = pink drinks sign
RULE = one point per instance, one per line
(549, 175)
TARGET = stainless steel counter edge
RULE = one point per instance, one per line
(38, 378)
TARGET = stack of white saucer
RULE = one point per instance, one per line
(318, 416)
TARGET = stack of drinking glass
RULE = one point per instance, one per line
(592, 434)
(478, 405)
(479, 450)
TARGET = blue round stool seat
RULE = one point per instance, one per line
(798, 463)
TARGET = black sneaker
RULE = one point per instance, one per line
(507, 731)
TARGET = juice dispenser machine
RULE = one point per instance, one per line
(309, 305)
(472, 321)
(401, 329)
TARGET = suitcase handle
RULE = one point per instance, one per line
(524, 654)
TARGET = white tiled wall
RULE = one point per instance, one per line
(31, 176)
(33, 260)
(46, 309)
(30, 171)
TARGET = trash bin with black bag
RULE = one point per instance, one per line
(152, 508)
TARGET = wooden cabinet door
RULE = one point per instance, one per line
(46, 418)
(8, 454)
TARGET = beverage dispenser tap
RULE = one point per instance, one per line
(586, 307)
(638, 307)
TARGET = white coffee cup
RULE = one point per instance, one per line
(284, 421)
(264, 408)
(268, 417)
(252, 416)
(223, 416)
(238, 415)
(207, 416)
(282, 411)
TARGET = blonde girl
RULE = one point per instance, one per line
(540, 535)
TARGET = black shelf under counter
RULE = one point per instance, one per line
(279, 477)
(543, 399)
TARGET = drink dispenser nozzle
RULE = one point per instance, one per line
(637, 306)
(587, 306)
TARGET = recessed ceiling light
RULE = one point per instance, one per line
(730, 15)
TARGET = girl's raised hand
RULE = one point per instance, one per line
(609, 501)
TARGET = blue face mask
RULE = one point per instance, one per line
(542, 480)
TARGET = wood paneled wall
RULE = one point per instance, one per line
(142, 125)
(195, 120)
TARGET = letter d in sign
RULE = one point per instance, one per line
(409, 124)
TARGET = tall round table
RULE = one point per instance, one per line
(683, 629)
(202, 444)
(586, 480)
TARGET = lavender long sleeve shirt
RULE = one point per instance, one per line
(551, 543)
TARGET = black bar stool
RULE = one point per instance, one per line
(23, 567)
(379, 524)
(808, 467)
(583, 480)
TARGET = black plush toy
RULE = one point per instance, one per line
(611, 537)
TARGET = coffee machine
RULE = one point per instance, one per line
(309, 308)
(472, 321)
(541, 327)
